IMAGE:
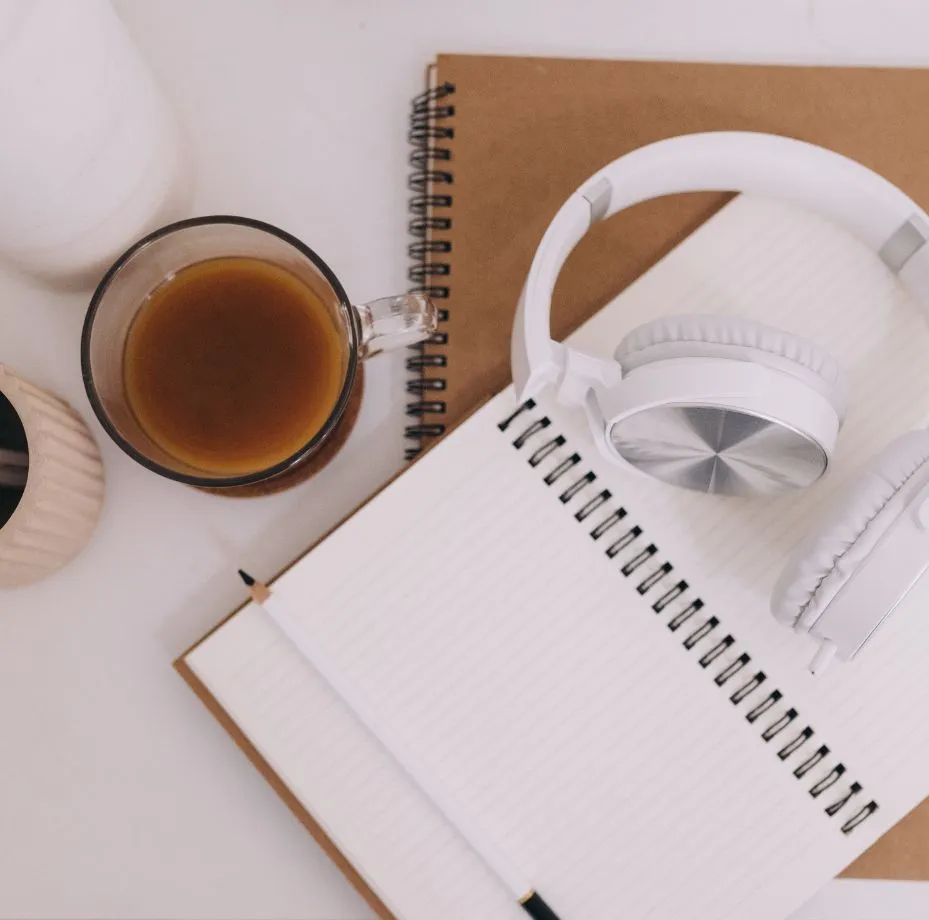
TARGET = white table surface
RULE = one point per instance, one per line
(119, 795)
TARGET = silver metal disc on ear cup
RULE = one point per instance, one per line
(718, 450)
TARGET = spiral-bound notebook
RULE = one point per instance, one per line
(586, 660)
(499, 142)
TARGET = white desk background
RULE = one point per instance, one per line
(119, 795)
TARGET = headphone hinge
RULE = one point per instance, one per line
(598, 195)
(581, 373)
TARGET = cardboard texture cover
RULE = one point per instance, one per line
(527, 132)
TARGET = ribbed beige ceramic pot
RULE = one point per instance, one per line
(63, 494)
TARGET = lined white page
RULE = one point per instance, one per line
(538, 683)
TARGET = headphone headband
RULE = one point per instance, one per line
(819, 180)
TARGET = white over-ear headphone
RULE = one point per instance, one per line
(727, 405)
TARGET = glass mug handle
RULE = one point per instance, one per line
(392, 322)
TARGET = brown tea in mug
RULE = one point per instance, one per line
(233, 365)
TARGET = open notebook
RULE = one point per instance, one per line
(607, 692)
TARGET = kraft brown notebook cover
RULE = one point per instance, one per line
(518, 136)
(511, 138)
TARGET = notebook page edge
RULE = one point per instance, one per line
(187, 670)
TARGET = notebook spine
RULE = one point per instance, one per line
(430, 219)
(672, 600)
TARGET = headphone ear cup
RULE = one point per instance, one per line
(724, 405)
(713, 336)
(849, 532)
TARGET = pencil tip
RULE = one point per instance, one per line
(246, 578)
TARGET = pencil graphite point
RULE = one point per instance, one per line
(246, 577)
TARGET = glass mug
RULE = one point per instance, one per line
(154, 263)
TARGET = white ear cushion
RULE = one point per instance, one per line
(735, 336)
(826, 559)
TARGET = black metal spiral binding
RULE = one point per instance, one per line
(672, 598)
(429, 207)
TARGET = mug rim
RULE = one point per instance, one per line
(246, 479)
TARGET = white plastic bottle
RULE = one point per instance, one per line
(90, 157)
